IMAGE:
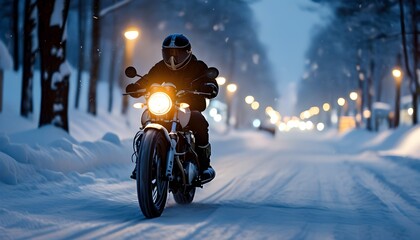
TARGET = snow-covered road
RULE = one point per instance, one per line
(294, 186)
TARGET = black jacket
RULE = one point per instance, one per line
(183, 80)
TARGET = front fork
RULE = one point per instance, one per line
(172, 149)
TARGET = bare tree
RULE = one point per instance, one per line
(95, 53)
(6, 63)
(415, 87)
(26, 105)
(111, 77)
(411, 73)
(52, 16)
(366, 29)
(15, 28)
(81, 62)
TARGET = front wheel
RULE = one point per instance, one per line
(152, 186)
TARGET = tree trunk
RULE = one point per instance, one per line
(404, 44)
(123, 81)
(111, 79)
(232, 65)
(95, 53)
(112, 65)
(1, 90)
(81, 63)
(55, 73)
(26, 105)
(15, 35)
(370, 87)
(416, 53)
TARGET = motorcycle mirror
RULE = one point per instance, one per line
(131, 72)
(212, 72)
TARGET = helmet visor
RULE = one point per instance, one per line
(179, 55)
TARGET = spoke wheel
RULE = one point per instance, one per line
(152, 186)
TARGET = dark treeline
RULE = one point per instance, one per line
(223, 33)
(357, 50)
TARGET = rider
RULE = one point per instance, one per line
(182, 68)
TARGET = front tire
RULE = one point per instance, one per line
(152, 186)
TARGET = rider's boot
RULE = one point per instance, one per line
(207, 173)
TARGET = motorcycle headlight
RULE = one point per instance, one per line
(159, 103)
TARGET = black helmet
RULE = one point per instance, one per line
(176, 51)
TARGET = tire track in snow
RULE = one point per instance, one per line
(388, 202)
(393, 188)
(251, 178)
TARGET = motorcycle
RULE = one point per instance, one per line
(164, 148)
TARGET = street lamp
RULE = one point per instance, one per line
(326, 107)
(221, 80)
(396, 72)
(131, 35)
(255, 105)
(249, 99)
(398, 76)
(353, 96)
(327, 113)
(341, 102)
(231, 89)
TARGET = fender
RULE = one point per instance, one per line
(171, 151)
(160, 128)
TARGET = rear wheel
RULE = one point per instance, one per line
(152, 186)
(184, 197)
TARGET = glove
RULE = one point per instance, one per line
(132, 88)
(206, 89)
(210, 88)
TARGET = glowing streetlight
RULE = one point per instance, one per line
(255, 105)
(249, 99)
(396, 72)
(269, 110)
(305, 115)
(221, 80)
(341, 101)
(326, 107)
(410, 111)
(314, 111)
(232, 87)
(398, 76)
(320, 126)
(353, 96)
(131, 34)
(366, 113)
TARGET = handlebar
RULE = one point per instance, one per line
(180, 93)
(136, 92)
(184, 92)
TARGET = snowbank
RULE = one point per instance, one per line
(49, 152)
(408, 144)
